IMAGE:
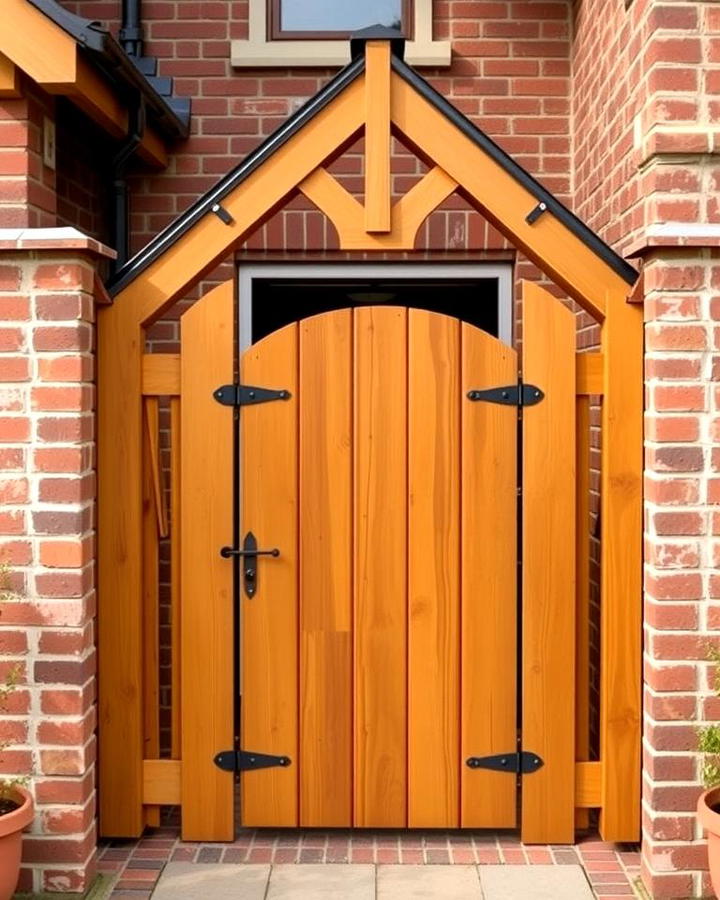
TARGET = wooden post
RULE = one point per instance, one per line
(377, 136)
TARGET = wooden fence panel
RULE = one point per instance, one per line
(207, 361)
(548, 557)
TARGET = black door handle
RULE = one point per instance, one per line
(248, 554)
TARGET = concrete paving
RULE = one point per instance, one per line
(226, 881)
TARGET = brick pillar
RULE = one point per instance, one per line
(681, 555)
(47, 491)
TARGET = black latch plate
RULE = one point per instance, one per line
(510, 395)
(520, 763)
(247, 395)
(242, 760)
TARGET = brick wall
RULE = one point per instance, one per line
(47, 489)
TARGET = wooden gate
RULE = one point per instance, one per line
(379, 648)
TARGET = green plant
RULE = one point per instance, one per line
(709, 735)
(8, 683)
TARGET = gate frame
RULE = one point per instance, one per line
(378, 95)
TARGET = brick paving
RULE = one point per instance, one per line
(137, 864)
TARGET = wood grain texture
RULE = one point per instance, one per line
(161, 374)
(175, 592)
(548, 605)
(588, 785)
(325, 756)
(269, 620)
(489, 581)
(161, 782)
(589, 373)
(433, 570)
(621, 571)
(377, 136)
(582, 594)
(151, 595)
(207, 616)
(380, 596)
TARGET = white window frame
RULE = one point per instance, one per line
(257, 51)
(248, 272)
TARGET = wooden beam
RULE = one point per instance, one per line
(582, 585)
(252, 202)
(347, 215)
(9, 78)
(377, 137)
(589, 373)
(621, 570)
(161, 782)
(206, 579)
(505, 202)
(588, 778)
(161, 374)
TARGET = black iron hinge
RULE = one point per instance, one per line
(242, 760)
(509, 395)
(247, 394)
(523, 763)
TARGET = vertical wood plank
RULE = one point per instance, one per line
(433, 569)
(377, 137)
(175, 557)
(326, 570)
(621, 570)
(380, 595)
(269, 620)
(548, 636)
(151, 595)
(489, 581)
(582, 563)
(120, 731)
(207, 361)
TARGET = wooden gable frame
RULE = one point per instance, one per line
(376, 95)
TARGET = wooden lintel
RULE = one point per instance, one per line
(161, 374)
(589, 373)
(377, 137)
(588, 778)
(161, 782)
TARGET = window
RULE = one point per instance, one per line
(298, 19)
(315, 32)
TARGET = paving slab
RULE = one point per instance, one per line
(424, 882)
(534, 883)
(212, 881)
(322, 882)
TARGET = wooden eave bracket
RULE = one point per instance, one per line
(637, 294)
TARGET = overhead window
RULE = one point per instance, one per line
(293, 19)
(291, 33)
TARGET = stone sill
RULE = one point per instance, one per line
(297, 54)
(52, 239)
(669, 235)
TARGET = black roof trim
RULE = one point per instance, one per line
(358, 40)
(554, 206)
(157, 246)
(170, 114)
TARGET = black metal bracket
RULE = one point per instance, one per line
(243, 760)
(523, 763)
(247, 395)
(535, 213)
(222, 214)
(511, 395)
(249, 554)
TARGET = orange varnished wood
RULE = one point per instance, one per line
(377, 136)
(207, 360)
(175, 614)
(269, 620)
(548, 607)
(582, 612)
(433, 569)
(326, 570)
(380, 601)
(489, 580)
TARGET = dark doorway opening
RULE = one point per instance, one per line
(277, 302)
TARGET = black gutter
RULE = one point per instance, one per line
(480, 139)
(159, 244)
(106, 54)
(131, 34)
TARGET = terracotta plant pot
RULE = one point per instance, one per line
(710, 821)
(11, 826)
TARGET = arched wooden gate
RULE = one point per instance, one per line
(379, 651)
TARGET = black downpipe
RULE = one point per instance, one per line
(119, 169)
(131, 33)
